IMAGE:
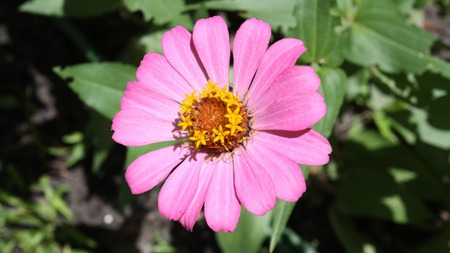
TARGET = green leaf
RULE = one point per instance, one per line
(248, 236)
(69, 8)
(161, 11)
(333, 86)
(316, 28)
(380, 36)
(277, 14)
(99, 85)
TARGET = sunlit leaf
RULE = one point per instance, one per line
(161, 11)
(99, 85)
(316, 28)
(69, 8)
(379, 36)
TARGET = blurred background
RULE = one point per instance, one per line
(385, 77)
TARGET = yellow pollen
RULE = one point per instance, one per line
(215, 120)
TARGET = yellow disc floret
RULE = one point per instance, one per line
(216, 121)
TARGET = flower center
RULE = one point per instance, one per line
(215, 120)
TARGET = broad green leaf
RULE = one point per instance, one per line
(352, 239)
(99, 85)
(333, 86)
(161, 11)
(281, 214)
(69, 8)
(316, 28)
(277, 14)
(248, 236)
(379, 36)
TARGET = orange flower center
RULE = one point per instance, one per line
(215, 120)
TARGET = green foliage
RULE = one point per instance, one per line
(99, 85)
(160, 11)
(37, 226)
(379, 36)
(316, 28)
(69, 8)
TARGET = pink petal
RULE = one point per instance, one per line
(285, 173)
(249, 45)
(281, 55)
(222, 208)
(212, 43)
(305, 147)
(140, 96)
(190, 216)
(150, 169)
(292, 112)
(254, 188)
(157, 73)
(295, 79)
(135, 127)
(179, 189)
(180, 52)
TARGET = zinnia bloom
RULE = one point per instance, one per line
(241, 141)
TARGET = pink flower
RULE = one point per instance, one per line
(241, 144)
